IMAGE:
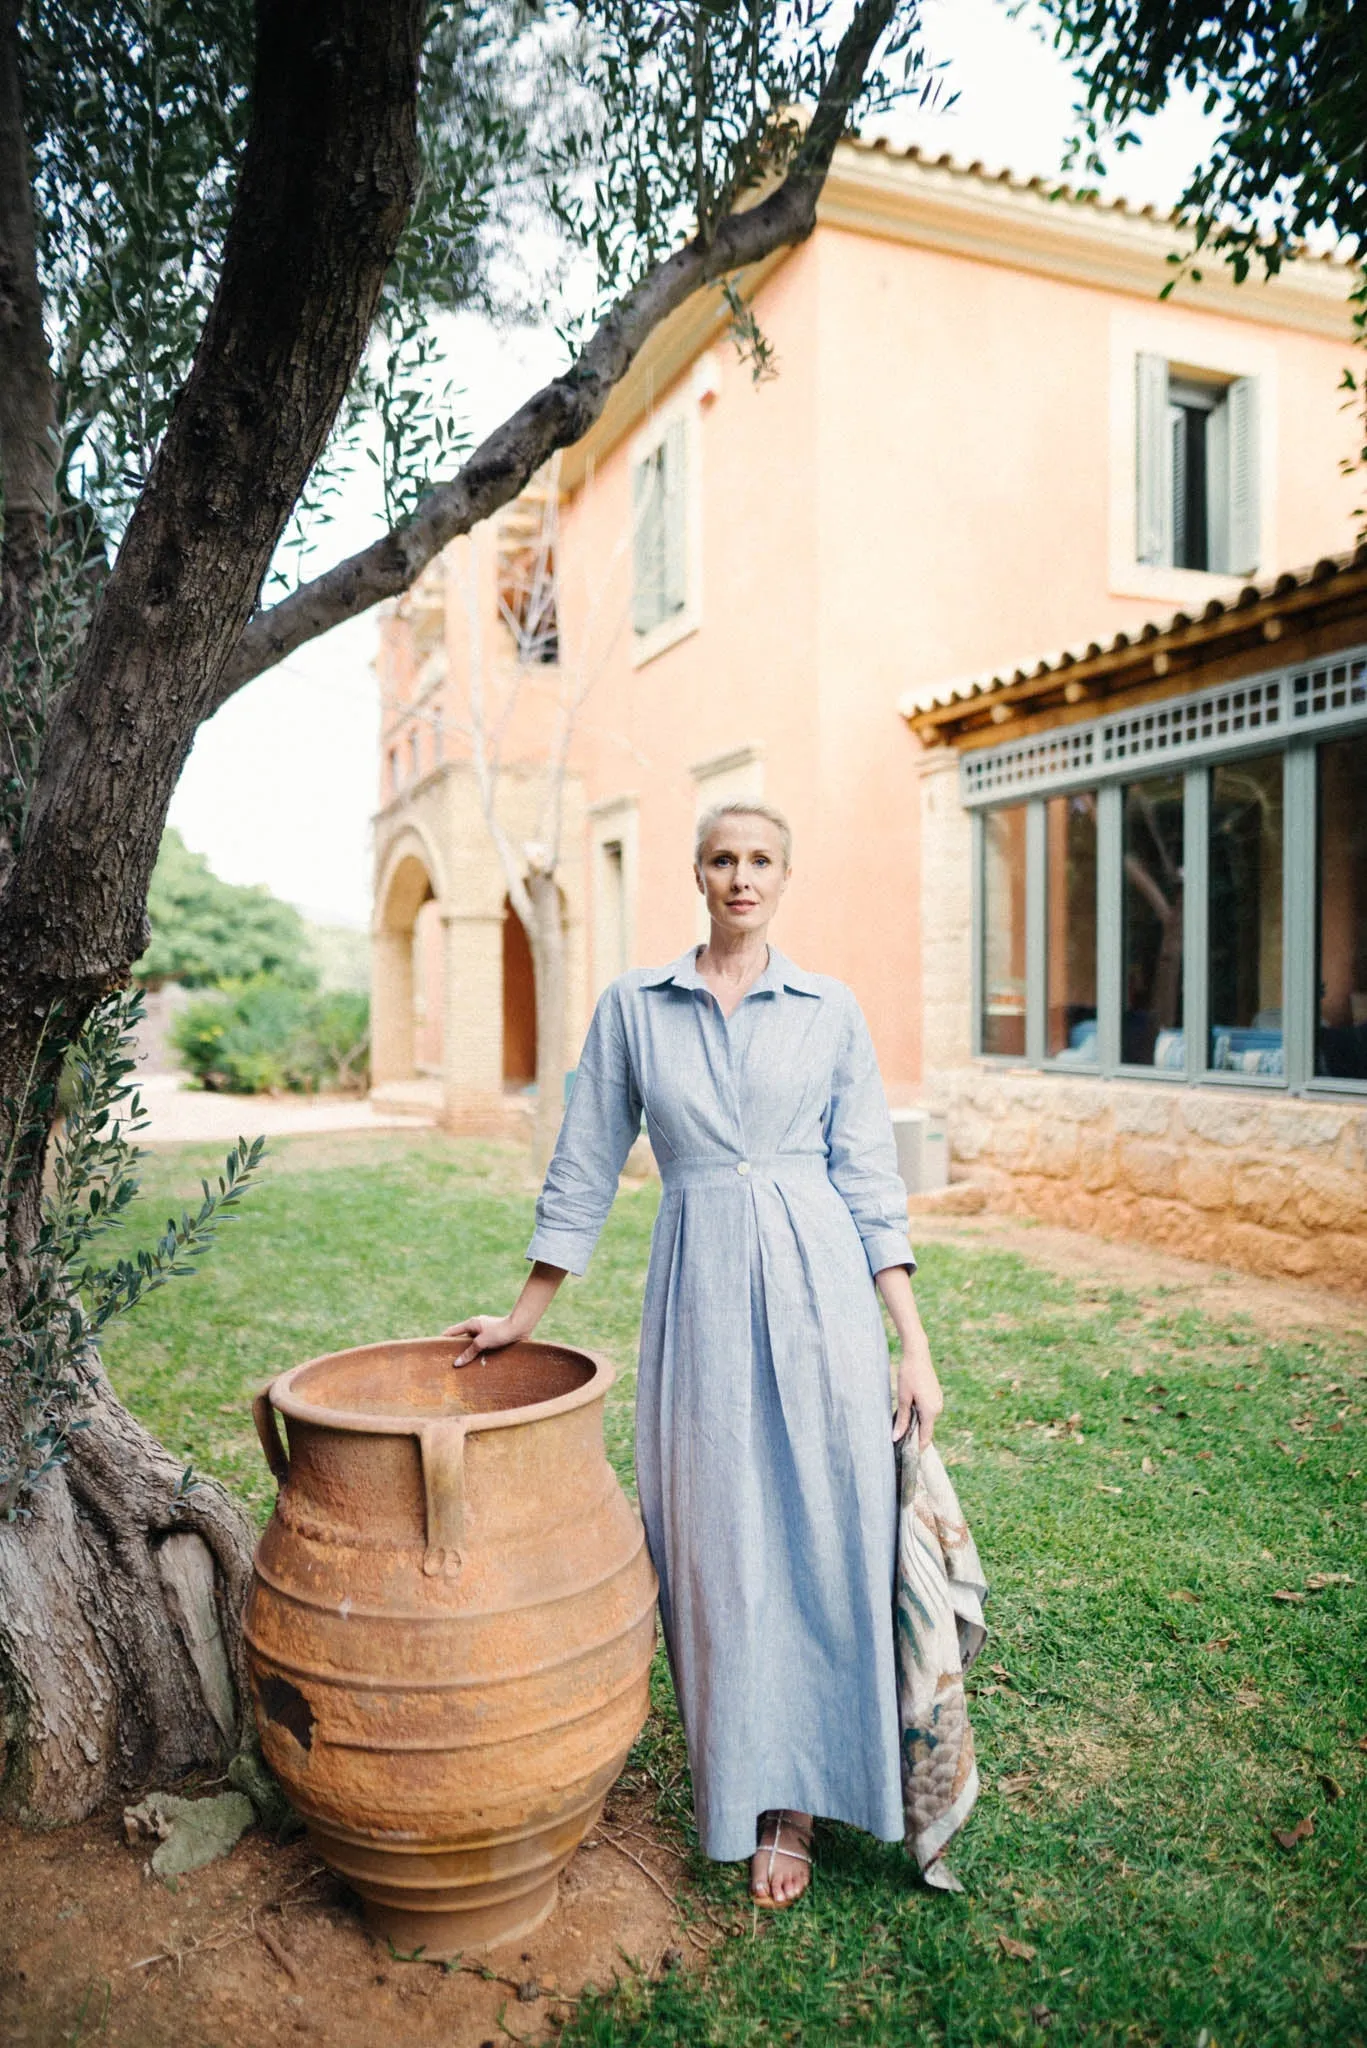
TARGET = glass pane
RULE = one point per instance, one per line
(1151, 1023)
(1003, 955)
(1341, 1033)
(1070, 838)
(1246, 917)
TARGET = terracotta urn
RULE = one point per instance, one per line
(450, 1627)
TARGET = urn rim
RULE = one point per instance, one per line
(282, 1396)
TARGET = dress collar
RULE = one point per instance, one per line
(779, 974)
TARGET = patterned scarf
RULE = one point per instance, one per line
(939, 1631)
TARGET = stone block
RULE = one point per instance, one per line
(1012, 1144)
(1257, 1250)
(1327, 1198)
(1221, 1116)
(1302, 1127)
(1079, 1102)
(1203, 1179)
(1148, 1169)
(1078, 1210)
(1263, 1190)
(1056, 1150)
(1341, 1259)
(1143, 1112)
(1096, 1160)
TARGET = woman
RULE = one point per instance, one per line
(763, 1458)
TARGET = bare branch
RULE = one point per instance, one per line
(564, 409)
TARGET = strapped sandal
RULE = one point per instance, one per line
(780, 1818)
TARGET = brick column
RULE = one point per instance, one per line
(391, 1007)
(473, 1102)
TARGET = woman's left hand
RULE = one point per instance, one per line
(918, 1387)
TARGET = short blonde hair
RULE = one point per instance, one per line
(743, 807)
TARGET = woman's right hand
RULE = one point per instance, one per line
(484, 1333)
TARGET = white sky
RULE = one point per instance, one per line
(281, 784)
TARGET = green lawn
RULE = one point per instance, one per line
(1142, 1483)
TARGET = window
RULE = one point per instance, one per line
(1180, 887)
(1341, 892)
(1196, 470)
(660, 532)
(614, 908)
(1152, 920)
(414, 754)
(1003, 933)
(1245, 917)
(1070, 893)
(614, 840)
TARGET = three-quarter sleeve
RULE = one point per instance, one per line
(601, 1122)
(862, 1160)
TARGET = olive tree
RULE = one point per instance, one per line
(223, 231)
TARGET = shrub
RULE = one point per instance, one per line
(266, 1034)
(207, 932)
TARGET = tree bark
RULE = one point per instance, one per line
(103, 1685)
(102, 1655)
(27, 447)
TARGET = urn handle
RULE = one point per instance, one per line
(268, 1429)
(443, 1477)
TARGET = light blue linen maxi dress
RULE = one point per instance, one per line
(764, 1454)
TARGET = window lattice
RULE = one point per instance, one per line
(1208, 723)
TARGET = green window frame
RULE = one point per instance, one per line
(1250, 1013)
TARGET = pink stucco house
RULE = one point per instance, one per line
(988, 441)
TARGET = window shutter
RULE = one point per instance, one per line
(1152, 461)
(645, 548)
(674, 521)
(1245, 539)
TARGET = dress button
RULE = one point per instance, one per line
(743, 1167)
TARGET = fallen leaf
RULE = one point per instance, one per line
(1317, 1581)
(1118, 1490)
(1330, 1787)
(1147, 1465)
(1361, 1742)
(1284, 1593)
(1357, 1948)
(1248, 1696)
(1021, 1950)
(1289, 1449)
(1291, 1838)
(1239, 1387)
(1219, 1643)
(189, 1832)
(1182, 1593)
(1017, 1784)
(1205, 1454)
(1041, 2016)
(1000, 1671)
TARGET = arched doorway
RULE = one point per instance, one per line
(519, 1003)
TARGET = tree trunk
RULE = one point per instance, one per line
(118, 1643)
(547, 939)
(120, 1624)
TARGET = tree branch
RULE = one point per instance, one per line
(27, 444)
(327, 182)
(27, 454)
(564, 410)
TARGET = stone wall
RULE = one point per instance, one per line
(1266, 1184)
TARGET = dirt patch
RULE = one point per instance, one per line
(1162, 1280)
(266, 1946)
